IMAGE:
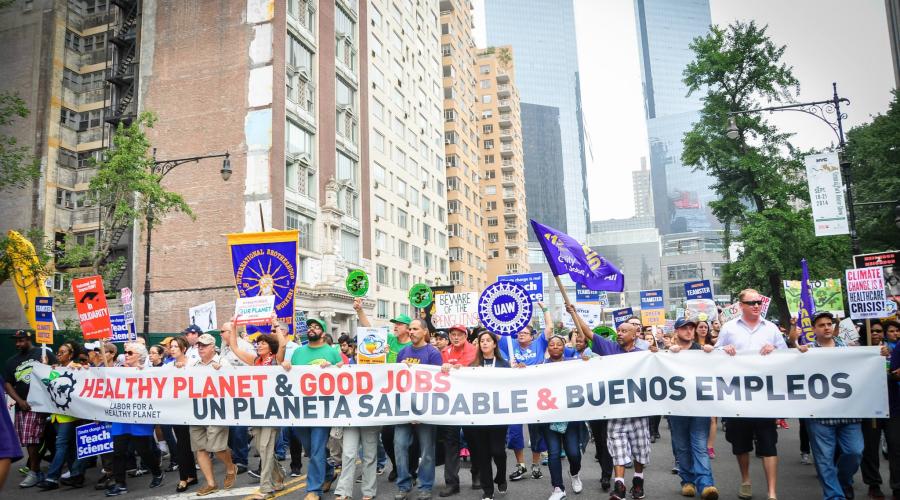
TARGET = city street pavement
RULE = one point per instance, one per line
(795, 481)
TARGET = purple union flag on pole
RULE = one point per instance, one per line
(567, 256)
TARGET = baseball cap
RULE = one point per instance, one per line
(166, 341)
(823, 314)
(319, 322)
(93, 346)
(206, 339)
(460, 328)
(193, 329)
(402, 319)
(21, 334)
(442, 334)
(682, 321)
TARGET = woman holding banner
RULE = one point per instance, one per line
(184, 457)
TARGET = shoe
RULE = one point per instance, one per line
(424, 495)
(280, 458)
(501, 488)
(688, 490)
(711, 493)
(182, 486)
(557, 494)
(379, 470)
(653, 439)
(464, 454)
(24, 470)
(47, 485)
(311, 496)
(401, 495)
(326, 485)
(31, 479)
(116, 490)
(745, 492)
(229, 479)
(255, 473)
(712, 453)
(804, 459)
(476, 482)
(140, 471)
(73, 481)
(675, 467)
(618, 492)
(241, 468)
(392, 476)
(103, 482)
(448, 490)
(577, 485)
(545, 458)
(656, 435)
(296, 472)
(604, 483)
(637, 487)
(629, 464)
(875, 493)
(519, 473)
(536, 471)
(172, 467)
(206, 490)
(783, 424)
(65, 475)
(157, 481)
(488, 498)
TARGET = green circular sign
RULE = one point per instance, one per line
(420, 295)
(357, 282)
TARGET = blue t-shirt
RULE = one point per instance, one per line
(531, 355)
(425, 355)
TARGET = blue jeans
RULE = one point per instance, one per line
(315, 440)
(381, 461)
(556, 442)
(403, 438)
(65, 452)
(689, 438)
(239, 442)
(823, 439)
(281, 445)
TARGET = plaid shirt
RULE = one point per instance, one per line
(835, 421)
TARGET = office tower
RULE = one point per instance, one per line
(464, 218)
(665, 30)
(643, 191)
(75, 65)
(502, 171)
(542, 36)
(892, 9)
(409, 200)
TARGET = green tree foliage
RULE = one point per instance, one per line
(17, 167)
(759, 176)
(874, 151)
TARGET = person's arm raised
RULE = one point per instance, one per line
(360, 313)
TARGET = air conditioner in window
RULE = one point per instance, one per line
(424, 184)
(69, 204)
(377, 253)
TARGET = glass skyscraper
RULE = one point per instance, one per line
(542, 34)
(665, 29)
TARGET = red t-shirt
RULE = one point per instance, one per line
(464, 355)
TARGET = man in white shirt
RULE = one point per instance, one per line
(751, 332)
(191, 334)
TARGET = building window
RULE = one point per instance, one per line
(493, 237)
(304, 12)
(345, 35)
(485, 84)
(295, 220)
(345, 100)
(456, 277)
(449, 115)
(402, 219)
(299, 76)
(489, 190)
(403, 251)
(487, 129)
(492, 221)
(484, 69)
(350, 246)
(486, 99)
(490, 174)
(445, 29)
(383, 309)
(404, 281)
(446, 49)
(381, 275)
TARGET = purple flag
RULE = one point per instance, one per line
(807, 308)
(567, 256)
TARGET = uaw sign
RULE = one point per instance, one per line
(504, 308)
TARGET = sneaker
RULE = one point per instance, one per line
(557, 494)
(392, 476)
(536, 471)
(241, 468)
(629, 464)
(783, 424)
(24, 470)
(157, 481)
(501, 488)
(711, 452)
(675, 467)
(688, 490)
(172, 467)
(116, 490)
(448, 490)
(545, 458)
(312, 496)
(73, 481)
(256, 472)
(379, 470)
(576, 484)
(31, 479)
(401, 495)
(637, 488)
(618, 491)
(745, 492)
(48, 485)
(519, 473)
(296, 472)
(140, 471)
(604, 483)
(875, 492)
(424, 495)
(804, 459)
(710, 493)
(66, 475)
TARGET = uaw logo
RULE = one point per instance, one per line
(504, 308)
(267, 272)
(60, 386)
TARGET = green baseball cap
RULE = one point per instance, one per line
(318, 322)
(402, 319)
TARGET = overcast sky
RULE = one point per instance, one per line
(827, 40)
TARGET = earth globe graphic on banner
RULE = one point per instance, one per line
(372, 345)
(505, 308)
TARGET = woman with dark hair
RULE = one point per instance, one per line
(156, 354)
(184, 457)
(703, 333)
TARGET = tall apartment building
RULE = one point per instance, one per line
(409, 199)
(643, 191)
(542, 34)
(284, 87)
(74, 64)
(502, 169)
(464, 217)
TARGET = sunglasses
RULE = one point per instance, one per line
(129, 353)
(752, 302)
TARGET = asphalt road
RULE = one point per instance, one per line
(795, 481)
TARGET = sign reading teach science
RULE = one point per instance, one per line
(93, 439)
(533, 283)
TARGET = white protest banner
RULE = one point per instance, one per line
(590, 313)
(826, 194)
(254, 310)
(204, 316)
(371, 345)
(865, 293)
(786, 383)
(455, 309)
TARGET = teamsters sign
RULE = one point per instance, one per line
(840, 382)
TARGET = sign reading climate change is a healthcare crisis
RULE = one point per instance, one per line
(266, 264)
(533, 283)
(566, 255)
(786, 383)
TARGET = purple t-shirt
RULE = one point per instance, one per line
(606, 347)
(425, 355)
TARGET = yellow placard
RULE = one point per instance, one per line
(653, 317)
(43, 334)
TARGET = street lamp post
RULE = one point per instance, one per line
(161, 168)
(823, 111)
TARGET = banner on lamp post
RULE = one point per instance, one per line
(826, 194)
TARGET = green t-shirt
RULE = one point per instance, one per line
(306, 355)
(396, 347)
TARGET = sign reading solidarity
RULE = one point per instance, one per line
(420, 296)
(90, 302)
(504, 308)
(865, 291)
(357, 283)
